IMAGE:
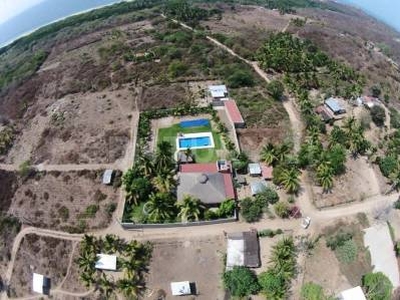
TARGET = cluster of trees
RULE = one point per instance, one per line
(252, 209)
(133, 259)
(286, 169)
(274, 283)
(152, 183)
(184, 11)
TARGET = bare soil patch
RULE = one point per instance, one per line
(196, 260)
(43, 255)
(359, 182)
(163, 96)
(71, 201)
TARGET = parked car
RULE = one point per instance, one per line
(305, 222)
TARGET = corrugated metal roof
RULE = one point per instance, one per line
(218, 91)
(107, 176)
(106, 262)
(254, 169)
(333, 104)
(257, 187)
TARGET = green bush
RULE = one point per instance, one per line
(276, 89)
(250, 210)
(347, 252)
(338, 239)
(312, 291)
(177, 68)
(110, 208)
(240, 78)
(282, 209)
(91, 210)
(241, 282)
(388, 165)
(377, 286)
(273, 285)
(269, 232)
(378, 115)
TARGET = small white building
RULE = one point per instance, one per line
(41, 284)
(257, 187)
(107, 176)
(255, 169)
(218, 91)
(181, 288)
(106, 262)
(355, 293)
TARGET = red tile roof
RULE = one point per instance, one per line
(266, 171)
(212, 168)
(233, 111)
(229, 188)
(199, 168)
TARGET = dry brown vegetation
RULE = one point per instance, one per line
(71, 201)
(43, 255)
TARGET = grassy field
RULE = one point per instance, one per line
(170, 134)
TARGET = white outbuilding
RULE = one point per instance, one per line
(106, 262)
(181, 288)
(355, 293)
(41, 284)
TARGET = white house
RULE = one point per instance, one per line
(106, 262)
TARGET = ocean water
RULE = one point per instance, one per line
(45, 12)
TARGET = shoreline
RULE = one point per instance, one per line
(5, 44)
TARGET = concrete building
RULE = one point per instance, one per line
(243, 249)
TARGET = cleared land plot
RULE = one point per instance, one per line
(79, 128)
(44, 255)
(359, 182)
(169, 134)
(71, 201)
(194, 260)
(322, 267)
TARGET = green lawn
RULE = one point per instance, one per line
(170, 134)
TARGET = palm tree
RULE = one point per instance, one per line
(111, 243)
(325, 175)
(160, 207)
(138, 190)
(190, 209)
(163, 159)
(87, 261)
(282, 151)
(189, 154)
(268, 154)
(145, 164)
(130, 288)
(87, 278)
(133, 266)
(106, 287)
(289, 178)
(164, 182)
(283, 258)
(89, 244)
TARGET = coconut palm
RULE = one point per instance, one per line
(164, 182)
(89, 244)
(190, 209)
(145, 164)
(189, 154)
(283, 258)
(112, 243)
(282, 151)
(289, 178)
(132, 266)
(160, 207)
(268, 154)
(130, 288)
(163, 159)
(87, 261)
(105, 286)
(87, 278)
(325, 174)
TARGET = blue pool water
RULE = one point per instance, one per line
(195, 123)
(202, 141)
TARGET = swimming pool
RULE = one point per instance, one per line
(199, 140)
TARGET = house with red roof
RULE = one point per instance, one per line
(234, 114)
(212, 183)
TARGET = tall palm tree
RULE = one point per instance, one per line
(87, 278)
(160, 207)
(268, 154)
(283, 258)
(145, 164)
(190, 209)
(138, 190)
(282, 151)
(164, 182)
(87, 261)
(105, 286)
(131, 288)
(89, 244)
(112, 243)
(164, 160)
(325, 174)
(133, 266)
(289, 178)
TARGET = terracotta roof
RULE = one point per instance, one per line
(229, 189)
(199, 168)
(233, 111)
(266, 171)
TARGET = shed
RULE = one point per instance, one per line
(243, 249)
(218, 91)
(334, 106)
(255, 169)
(41, 284)
(267, 172)
(181, 288)
(108, 176)
(355, 293)
(241, 179)
(257, 187)
(106, 262)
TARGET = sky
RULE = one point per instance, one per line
(385, 10)
(12, 8)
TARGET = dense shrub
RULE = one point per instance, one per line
(241, 282)
(338, 239)
(377, 286)
(347, 252)
(378, 115)
(388, 164)
(251, 210)
(240, 78)
(312, 291)
(272, 285)
(282, 209)
(276, 89)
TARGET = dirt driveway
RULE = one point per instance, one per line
(198, 260)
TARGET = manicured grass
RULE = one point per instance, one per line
(170, 134)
